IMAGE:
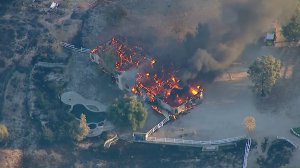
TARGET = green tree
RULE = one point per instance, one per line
(81, 130)
(128, 112)
(84, 129)
(291, 31)
(264, 73)
(3, 132)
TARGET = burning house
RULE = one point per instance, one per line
(137, 74)
(181, 100)
(166, 92)
(119, 60)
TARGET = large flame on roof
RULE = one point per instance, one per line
(196, 90)
(193, 91)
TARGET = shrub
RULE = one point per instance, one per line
(3, 132)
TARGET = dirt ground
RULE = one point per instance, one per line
(11, 158)
(26, 36)
(227, 102)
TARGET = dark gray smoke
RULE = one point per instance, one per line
(239, 23)
(201, 36)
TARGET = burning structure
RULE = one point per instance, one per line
(116, 57)
(120, 61)
(165, 91)
(135, 73)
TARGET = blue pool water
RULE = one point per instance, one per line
(91, 116)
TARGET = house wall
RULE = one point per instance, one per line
(178, 110)
(197, 100)
(174, 110)
(95, 58)
(98, 60)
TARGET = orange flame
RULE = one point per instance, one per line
(179, 99)
(196, 90)
(150, 84)
(94, 51)
(193, 91)
(153, 61)
(127, 56)
(133, 89)
(155, 108)
(173, 79)
(173, 117)
(147, 74)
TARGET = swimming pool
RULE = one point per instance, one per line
(91, 117)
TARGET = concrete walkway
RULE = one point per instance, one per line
(107, 126)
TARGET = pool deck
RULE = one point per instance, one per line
(72, 98)
(99, 129)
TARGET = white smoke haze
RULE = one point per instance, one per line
(200, 36)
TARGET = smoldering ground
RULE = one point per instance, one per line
(200, 36)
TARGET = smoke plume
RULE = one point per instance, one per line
(201, 36)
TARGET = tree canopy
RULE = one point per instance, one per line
(65, 127)
(264, 72)
(81, 130)
(3, 132)
(128, 111)
(291, 31)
